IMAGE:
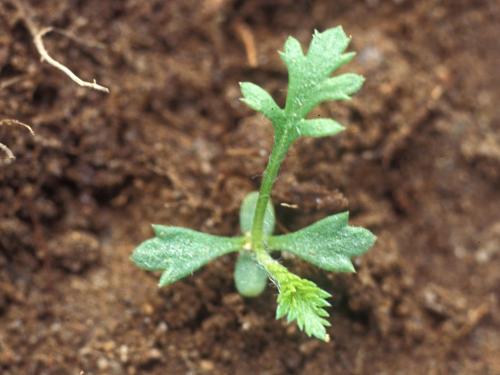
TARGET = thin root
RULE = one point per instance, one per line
(8, 152)
(44, 55)
(38, 34)
(12, 122)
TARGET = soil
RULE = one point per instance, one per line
(419, 165)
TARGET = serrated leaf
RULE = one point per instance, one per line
(338, 88)
(343, 59)
(329, 244)
(300, 300)
(249, 276)
(335, 88)
(309, 82)
(247, 211)
(261, 101)
(181, 251)
(321, 127)
(292, 56)
(292, 51)
(326, 48)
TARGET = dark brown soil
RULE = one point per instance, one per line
(419, 165)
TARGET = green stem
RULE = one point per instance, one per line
(280, 148)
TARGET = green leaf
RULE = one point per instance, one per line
(309, 82)
(309, 85)
(328, 244)
(299, 300)
(326, 49)
(312, 93)
(181, 251)
(293, 57)
(249, 276)
(259, 100)
(336, 88)
(321, 127)
(292, 52)
(247, 212)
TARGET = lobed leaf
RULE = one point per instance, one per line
(300, 300)
(309, 85)
(313, 93)
(321, 127)
(261, 101)
(292, 53)
(328, 243)
(309, 82)
(181, 251)
(325, 51)
(335, 88)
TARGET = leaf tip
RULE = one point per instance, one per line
(372, 238)
(164, 279)
(343, 217)
(158, 229)
(349, 268)
(141, 256)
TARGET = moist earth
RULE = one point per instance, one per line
(419, 165)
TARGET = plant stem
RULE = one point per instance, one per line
(279, 150)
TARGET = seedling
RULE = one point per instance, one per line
(328, 244)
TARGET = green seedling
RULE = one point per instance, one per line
(328, 244)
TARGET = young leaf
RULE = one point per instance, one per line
(181, 251)
(247, 212)
(336, 88)
(328, 243)
(300, 300)
(308, 75)
(309, 85)
(326, 49)
(321, 127)
(261, 101)
(292, 53)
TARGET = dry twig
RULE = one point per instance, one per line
(246, 36)
(38, 33)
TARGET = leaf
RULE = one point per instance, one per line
(292, 52)
(328, 244)
(336, 88)
(309, 85)
(247, 211)
(321, 127)
(326, 49)
(300, 300)
(309, 82)
(249, 276)
(261, 101)
(293, 57)
(181, 251)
